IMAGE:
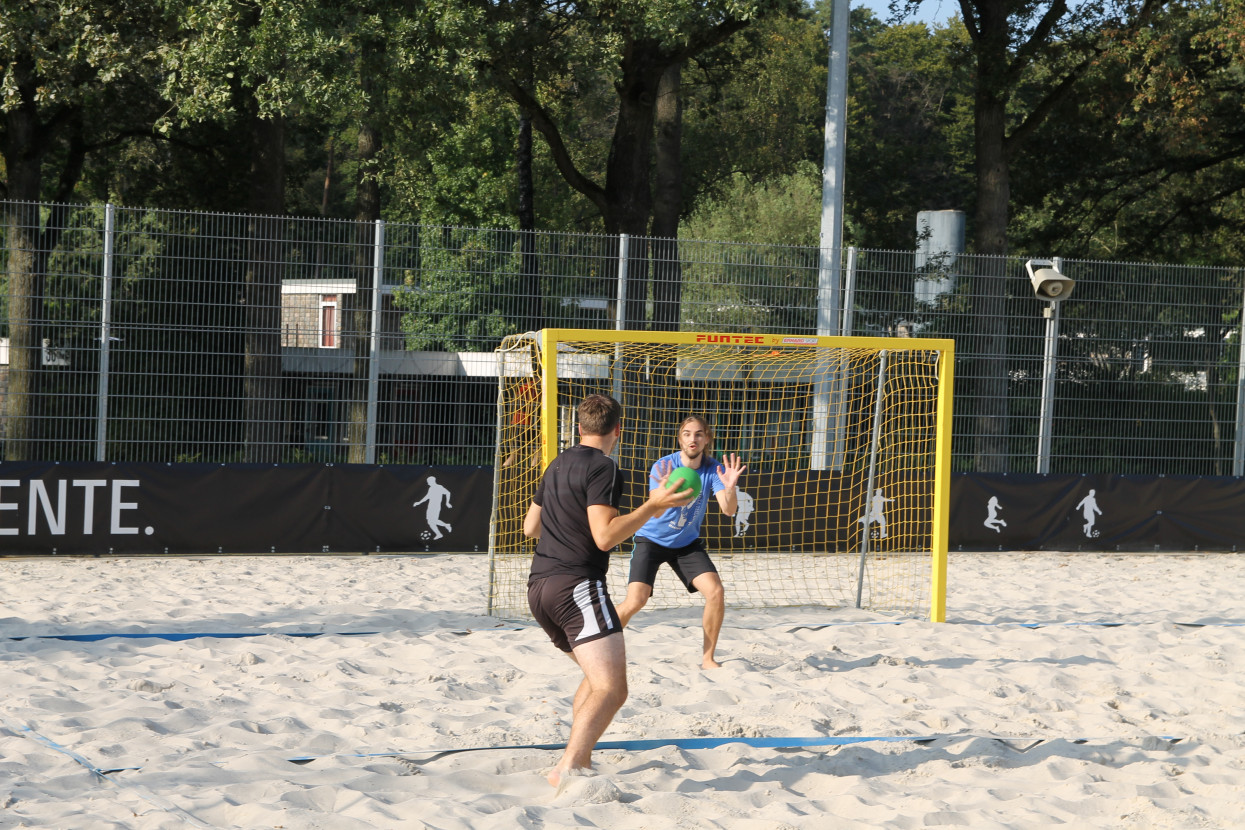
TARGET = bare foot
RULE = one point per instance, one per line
(559, 776)
(710, 663)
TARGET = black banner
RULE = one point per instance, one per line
(48, 508)
(1096, 512)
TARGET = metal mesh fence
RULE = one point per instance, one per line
(132, 334)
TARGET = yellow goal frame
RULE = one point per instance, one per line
(553, 434)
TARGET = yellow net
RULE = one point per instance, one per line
(846, 440)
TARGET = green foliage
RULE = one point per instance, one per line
(287, 53)
(466, 177)
(909, 130)
(754, 105)
(782, 210)
(733, 286)
(448, 302)
(1148, 162)
(74, 49)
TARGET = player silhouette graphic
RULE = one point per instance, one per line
(436, 498)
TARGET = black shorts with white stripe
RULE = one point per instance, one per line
(572, 610)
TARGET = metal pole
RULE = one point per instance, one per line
(873, 467)
(1050, 350)
(1238, 449)
(829, 443)
(833, 165)
(838, 441)
(105, 336)
(373, 362)
(849, 293)
(1047, 411)
(831, 240)
(620, 313)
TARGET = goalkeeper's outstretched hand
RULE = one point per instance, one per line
(730, 471)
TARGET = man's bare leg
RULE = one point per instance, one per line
(710, 587)
(598, 698)
(638, 594)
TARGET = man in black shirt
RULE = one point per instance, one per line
(574, 516)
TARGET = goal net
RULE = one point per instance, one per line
(844, 502)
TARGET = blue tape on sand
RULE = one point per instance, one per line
(428, 755)
(649, 743)
(195, 635)
(24, 730)
(180, 636)
(1004, 624)
(101, 775)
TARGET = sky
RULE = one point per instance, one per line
(930, 11)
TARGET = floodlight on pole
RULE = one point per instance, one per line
(1049, 284)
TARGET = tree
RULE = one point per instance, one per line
(754, 106)
(254, 63)
(64, 70)
(1170, 93)
(643, 40)
(909, 133)
(1009, 41)
(782, 212)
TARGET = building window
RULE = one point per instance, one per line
(329, 329)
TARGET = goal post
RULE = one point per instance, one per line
(847, 441)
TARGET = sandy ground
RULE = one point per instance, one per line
(1065, 690)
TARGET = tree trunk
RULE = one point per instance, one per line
(23, 158)
(990, 449)
(265, 405)
(26, 283)
(529, 279)
(668, 202)
(629, 197)
(358, 334)
(628, 170)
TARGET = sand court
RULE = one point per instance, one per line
(1076, 690)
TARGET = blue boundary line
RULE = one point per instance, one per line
(192, 635)
(713, 743)
(640, 745)
(633, 745)
(233, 635)
(101, 775)
(1018, 624)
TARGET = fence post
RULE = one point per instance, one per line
(620, 310)
(1046, 412)
(373, 361)
(105, 336)
(1238, 448)
(620, 313)
(849, 293)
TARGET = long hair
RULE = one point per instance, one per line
(700, 419)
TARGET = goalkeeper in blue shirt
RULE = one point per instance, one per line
(673, 537)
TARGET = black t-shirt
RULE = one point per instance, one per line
(578, 477)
